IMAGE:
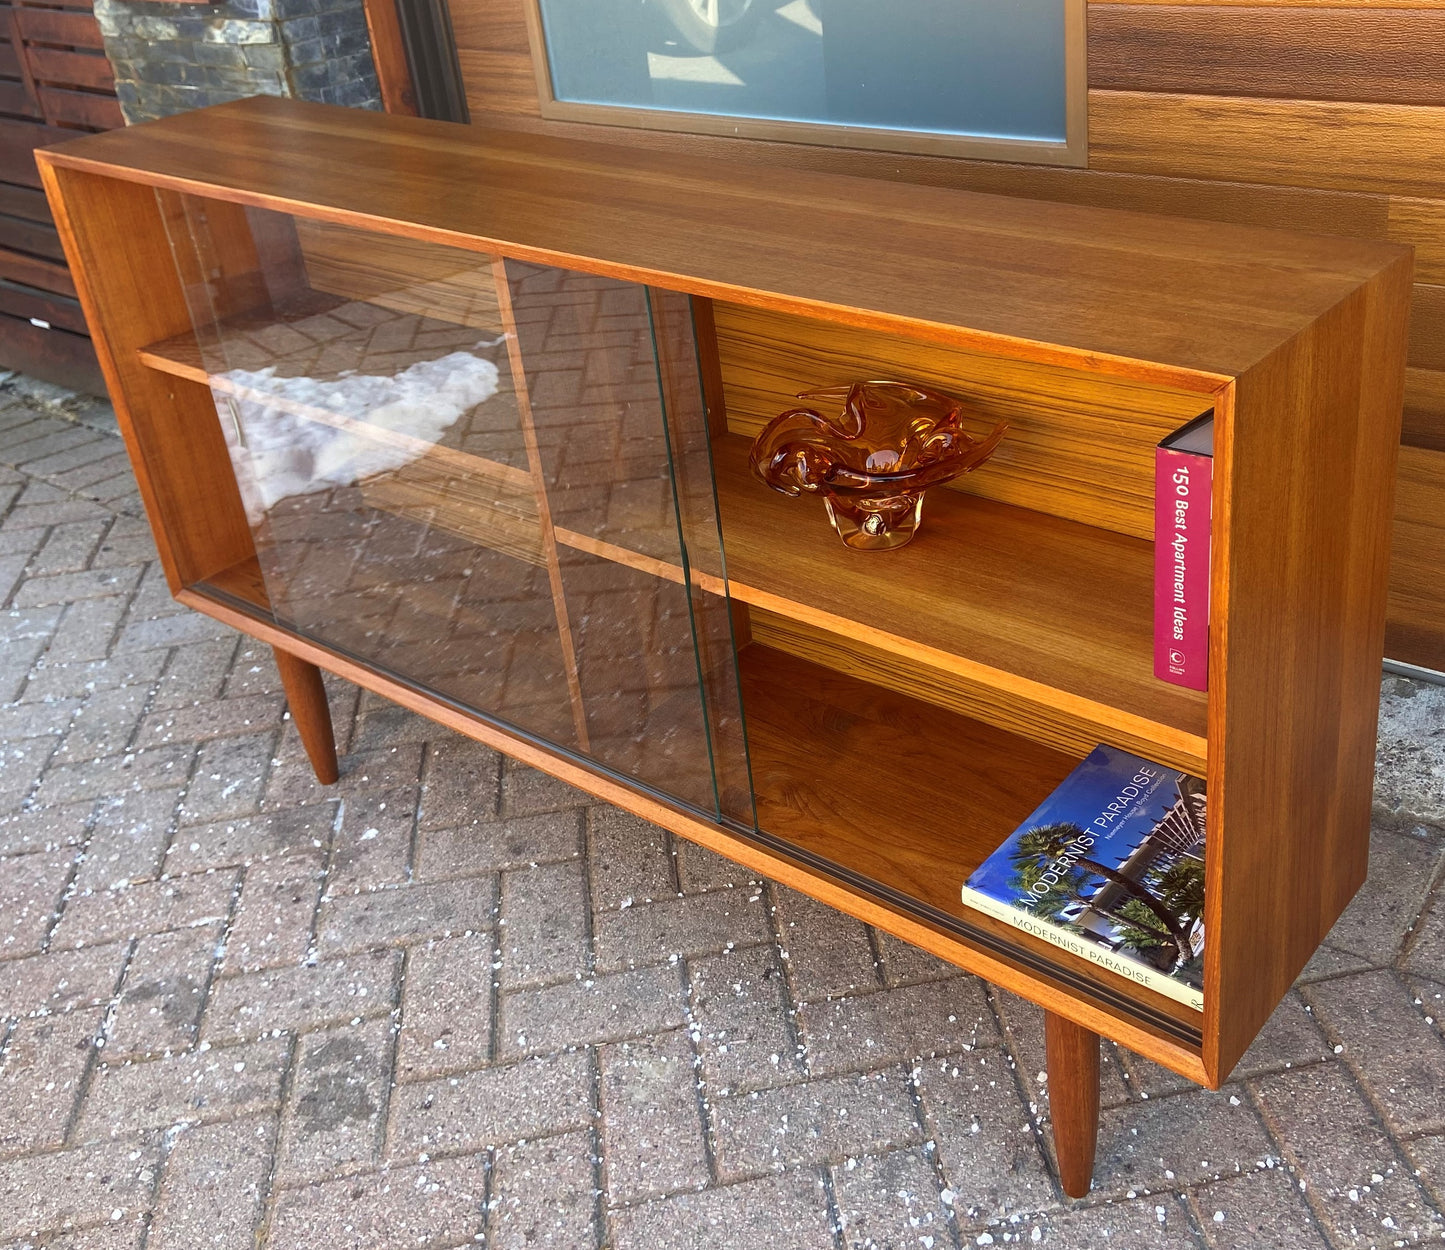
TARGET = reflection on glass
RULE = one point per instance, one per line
(459, 471)
(952, 67)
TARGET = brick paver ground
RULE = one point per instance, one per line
(451, 1001)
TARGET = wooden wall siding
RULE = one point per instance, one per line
(1417, 590)
(1310, 115)
(1388, 148)
(1297, 53)
(55, 82)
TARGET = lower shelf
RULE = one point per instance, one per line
(904, 799)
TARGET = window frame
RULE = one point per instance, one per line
(1072, 152)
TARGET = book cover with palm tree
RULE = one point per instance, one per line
(1111, 866)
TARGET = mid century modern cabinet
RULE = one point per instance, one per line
(463, 417)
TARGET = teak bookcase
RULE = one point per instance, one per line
(579, 570)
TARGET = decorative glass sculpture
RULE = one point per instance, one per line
(871, 464)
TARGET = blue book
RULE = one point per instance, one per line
(1110, 867)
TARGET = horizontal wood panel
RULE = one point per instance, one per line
(52, 355)
(18, 141)
(1164, 301)
(1392, 148)
(1421, 223)
(75, 69)
(1357, 214)
(77, 28)
(9, 62)
(510, 82)
(24, 235)
(1427, 328)
(1416, 629)
(1079, 446)
(490, 26)
(1032, 719)
(16, 100)
(59, 310)
(23, 202)
(47, 275)
(1424, 424)
(1394, 56)
(981, 593)
(81, 108)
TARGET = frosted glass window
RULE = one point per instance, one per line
(989, 69)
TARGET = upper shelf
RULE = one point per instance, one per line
(1055, 612)
(1184, 303)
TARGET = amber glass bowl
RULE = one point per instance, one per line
(871, 463)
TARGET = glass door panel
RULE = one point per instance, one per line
(459, 470)
(605, 425)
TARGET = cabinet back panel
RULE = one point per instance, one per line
(1079, 446)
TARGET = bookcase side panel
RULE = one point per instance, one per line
(117, 244)
(1297, 638)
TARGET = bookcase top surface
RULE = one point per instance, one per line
(1019, 276)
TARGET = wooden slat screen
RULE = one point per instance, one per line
(55, 82)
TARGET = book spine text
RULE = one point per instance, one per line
(1182, 489)
(1092, 951)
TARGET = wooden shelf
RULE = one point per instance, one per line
(824, 746)
(1057, 613)
(990, 600)
(320, 336)
(903, 796)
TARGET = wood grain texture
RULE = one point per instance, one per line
(1286, 164)
(511, 85)
(1356, 214)
(55, 310)
(1424, 424)
(983, 592)
(1417, 590)
(1185, 304)
(1079, 446)
(46, 275)
(388, 54)
(1297, 621)
(1014, 601)
(1391, 148)
(1390, 56)
(1073, 1058)
(497, 26)
(1427, 328)
(1038, 720)
(133, 296)
(1421, 223)
(76, 69)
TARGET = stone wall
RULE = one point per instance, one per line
(170, 57)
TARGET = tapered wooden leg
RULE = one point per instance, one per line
(1073, 1054)
(306, 697)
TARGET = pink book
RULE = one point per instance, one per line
(1183, 478)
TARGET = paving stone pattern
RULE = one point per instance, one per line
(449, 1001)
